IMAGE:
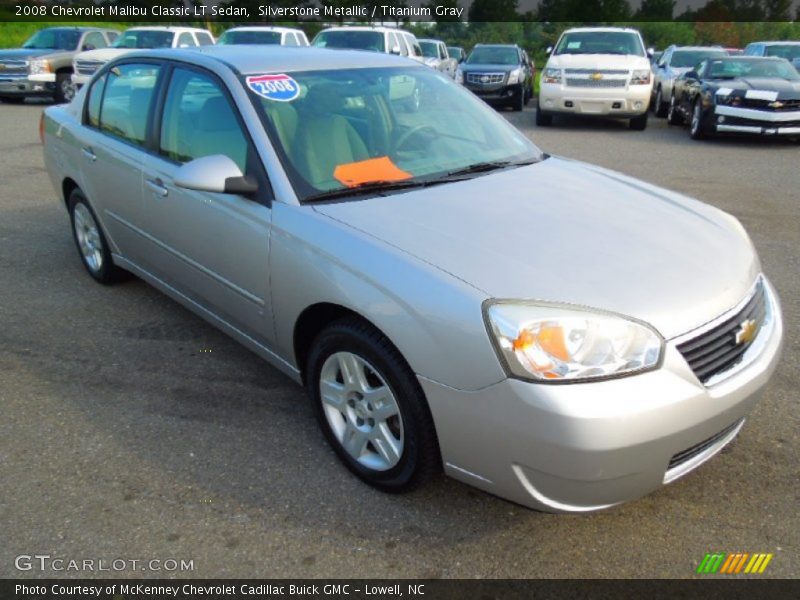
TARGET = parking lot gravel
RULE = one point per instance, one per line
(130, 429)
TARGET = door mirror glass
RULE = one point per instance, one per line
(216, 173)
(691, 74)
(549, 50)
(396, 49)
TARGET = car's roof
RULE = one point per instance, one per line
(602, 29)
(272, 58)
(81, 28)
(435, 41)
(365, 28)
(742, 57)
(496, 46)
(719, 48)
(264, 28)
(780, 43)
(165, 28)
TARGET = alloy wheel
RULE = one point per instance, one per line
(362, 411)
(88, 235)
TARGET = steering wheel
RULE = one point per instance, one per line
(416, 130)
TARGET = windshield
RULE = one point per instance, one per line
(341, 129)
(429, 49)
(788, 51)
(488, 55)
(749, 67)
(249, 37)
(144, 38)
(600, 42)
(54, 39)
(355, 40)
(687, 59)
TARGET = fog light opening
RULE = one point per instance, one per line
(617, 105)
(568, 103)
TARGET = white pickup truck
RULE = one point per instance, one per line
(603, 71)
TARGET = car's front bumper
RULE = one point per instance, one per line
(629, 101)
(587, 446)
(29, 85)
(734, 119)
(495, 94)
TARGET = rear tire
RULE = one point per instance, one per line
(374, 416)
(91, 242)
(12, 99)
(543, 119)
(638, 123)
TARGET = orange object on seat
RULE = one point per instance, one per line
(371, 170)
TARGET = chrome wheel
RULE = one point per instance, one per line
(659, 100)
(696, 114)
(362, 411)
(68, 89)
(88, 235)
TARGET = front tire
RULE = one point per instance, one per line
(371, 408)
(660, 108)
(543, 119)
(91, 242)
(673, 116)
(12, 99)
(638, 123)
(65, 89)
(518, 103)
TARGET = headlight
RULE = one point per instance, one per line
(39, 66)
(514, 76)
(641, 77)
(553, 343)
(459, 76)
(551, 76)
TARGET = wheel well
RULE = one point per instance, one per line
(310, 323)
(67, 187)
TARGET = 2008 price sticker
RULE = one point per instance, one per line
(279, 87)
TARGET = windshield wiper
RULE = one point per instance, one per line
(369, 188)
(484, 167)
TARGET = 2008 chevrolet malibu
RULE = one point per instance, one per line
(452, 298)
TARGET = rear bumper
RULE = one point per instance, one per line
(629, 101)
(583, 447)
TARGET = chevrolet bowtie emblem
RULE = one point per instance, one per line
(776, 104)
(596, 76)
(747, 331)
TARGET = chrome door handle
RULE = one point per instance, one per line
(157, 186)
(89, 153)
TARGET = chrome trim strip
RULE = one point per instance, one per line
(766, 130)
(757, 115)
(469, 473)
(694, 462)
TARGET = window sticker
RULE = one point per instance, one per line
(573, 45)
(761, 95)
(372, 170)
(279, 87)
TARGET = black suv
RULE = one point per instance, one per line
(500, 74)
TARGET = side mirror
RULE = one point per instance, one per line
(395, 50)
(650, 52)
(549, 50)
(87, 47)
(690, 74)
(216, 173)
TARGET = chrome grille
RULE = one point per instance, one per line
(87, 67)
(485, 78)
(593, 71)
(718, 349)
(13, 67)
(688, 454)
(595, 83)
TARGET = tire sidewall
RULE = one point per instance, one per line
(341, 338)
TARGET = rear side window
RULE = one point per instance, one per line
(290, 39)
(93, 103)
(129, 91)
(200, 121)
(186, 40)
(94, 40)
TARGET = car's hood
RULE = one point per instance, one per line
(23, 54)
(472, 68)
(598, 61)
(103, 54)
(563, 231)
(770, 84)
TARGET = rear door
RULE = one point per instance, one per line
(211, 247)
(112, 147)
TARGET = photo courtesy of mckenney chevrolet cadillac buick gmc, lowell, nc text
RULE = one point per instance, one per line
(451, 297)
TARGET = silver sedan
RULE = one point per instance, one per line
(452, 297)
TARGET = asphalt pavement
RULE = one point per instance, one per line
(130, 429)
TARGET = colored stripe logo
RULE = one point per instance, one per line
(731, 564)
